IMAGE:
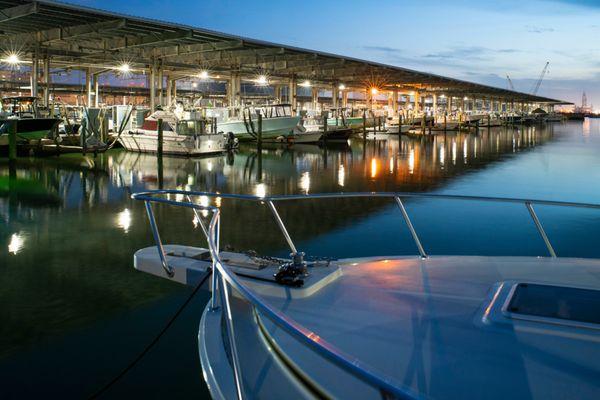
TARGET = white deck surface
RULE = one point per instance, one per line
(428, 324)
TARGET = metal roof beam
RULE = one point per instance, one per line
(12, 13)
(76, 32)
(192, 49)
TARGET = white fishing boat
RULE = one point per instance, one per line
(403, 327)
(306, 134)
(277, 121)
(184, 133)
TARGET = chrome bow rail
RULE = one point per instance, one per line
(222, 276)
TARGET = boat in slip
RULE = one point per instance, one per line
(183, 133)
(277, 121)
(30, 125)
(391, 327)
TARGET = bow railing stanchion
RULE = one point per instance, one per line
(159, 245)
(197, 215)
(215, 260)
(540, 229)
(282, 227)
(237, 372)
(411, 228)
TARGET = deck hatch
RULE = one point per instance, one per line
(555, 302)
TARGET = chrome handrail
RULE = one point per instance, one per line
(385, 384)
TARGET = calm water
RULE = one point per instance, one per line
(74, 312)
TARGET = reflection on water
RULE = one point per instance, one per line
(70, 229)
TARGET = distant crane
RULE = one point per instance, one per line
(510, 84)
(537, 84)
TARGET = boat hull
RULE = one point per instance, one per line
(28, 128)
(174, 144)
(272, 128)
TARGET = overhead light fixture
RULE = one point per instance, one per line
(124, 68)
(306, 83)
(203, 75)
(261, 80)
(12, 59)
(466, 98)
(342, 87)
(374, 91)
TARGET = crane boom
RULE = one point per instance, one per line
(537, 84)
(510, 84)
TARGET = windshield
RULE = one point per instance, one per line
(189, 127)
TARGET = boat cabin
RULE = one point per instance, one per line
(20, 106)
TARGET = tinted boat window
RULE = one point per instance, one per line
(567, 303)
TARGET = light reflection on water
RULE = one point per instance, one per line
(70, 229)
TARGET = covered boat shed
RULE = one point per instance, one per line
(49, 35)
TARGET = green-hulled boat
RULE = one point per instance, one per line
(23, 111)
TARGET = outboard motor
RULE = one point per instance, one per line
(231, 141)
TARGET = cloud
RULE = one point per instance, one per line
(538, 29)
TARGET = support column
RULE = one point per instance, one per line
(315, 98)
(169, 91)
(293, 94)
(175, 90)
(435, 108)
(47, 81)
(96, 90)
(335, 95)
(88, 86)
(345, 98)
(277, 92)
(34, 75)
(160, 86)
(449, 105)
(417, 97)
(394, 103)
(152, 84)
(234, 88)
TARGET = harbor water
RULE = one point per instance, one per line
(74, 311)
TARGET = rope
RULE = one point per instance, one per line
(150, 345)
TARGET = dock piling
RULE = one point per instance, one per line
(259, 133)
(324, 114)
(364, 125)
(159, 147)
(12, 142)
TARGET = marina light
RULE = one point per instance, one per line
(124, 68)
(203, 75)
(261, 80)
(124, 220)
(466, 98)
(342, 87)
(12, 59)
(260, 190)
(194, 85)
(16, 243)
(374, 91)
(306, 83)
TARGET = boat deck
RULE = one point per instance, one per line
(437, 326)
